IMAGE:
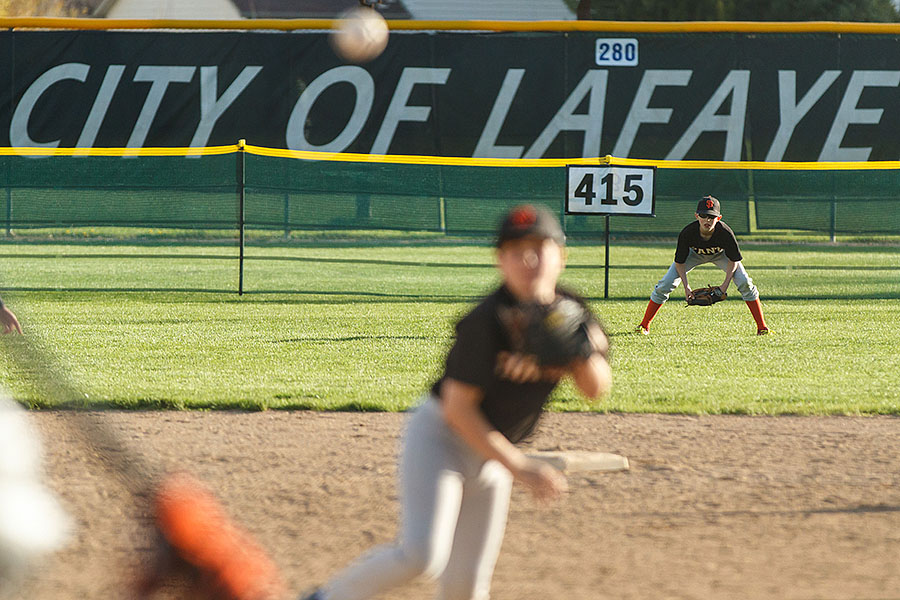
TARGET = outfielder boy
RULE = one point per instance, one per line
(459, 458)
(706, 240)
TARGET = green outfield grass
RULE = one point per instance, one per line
(327, 325)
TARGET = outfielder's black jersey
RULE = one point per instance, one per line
(512, 408)
(722, 240)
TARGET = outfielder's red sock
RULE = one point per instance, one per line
(757, 312)
(652, 307)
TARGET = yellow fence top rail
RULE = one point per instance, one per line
(460, 161)
(757, 165)
(400, 25)
(204, 151)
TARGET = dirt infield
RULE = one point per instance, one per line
(713, 507)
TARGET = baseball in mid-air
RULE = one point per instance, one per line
(360, 35)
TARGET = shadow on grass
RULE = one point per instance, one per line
(281, 403)
(354, 338)
(120, 256)
(763, 297)
(135, 290)
(355, 296)
(417, 264)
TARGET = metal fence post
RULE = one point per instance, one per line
(833, 211)
(241, 191)
(8, 198)
(287, 215)
(606, 263)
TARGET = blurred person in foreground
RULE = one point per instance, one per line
(32, 523)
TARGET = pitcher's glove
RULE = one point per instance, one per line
(706, 296)
(555, 334)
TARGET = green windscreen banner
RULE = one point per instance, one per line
(709, 96)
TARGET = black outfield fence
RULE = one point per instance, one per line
(243, 187)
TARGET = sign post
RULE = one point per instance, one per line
(610, 190)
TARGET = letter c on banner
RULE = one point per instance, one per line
(18, 128)
(359, 78)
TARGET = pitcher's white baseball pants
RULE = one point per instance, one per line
(453, 517)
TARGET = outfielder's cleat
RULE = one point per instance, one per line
(642, 330)
(764, 331)
(314, 595)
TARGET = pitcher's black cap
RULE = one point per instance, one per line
(530, 220)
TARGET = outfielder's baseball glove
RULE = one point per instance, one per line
(706, 296)
(555, 334)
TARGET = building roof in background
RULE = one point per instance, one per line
(167, 9)
(423, 10)
(84, 8)
(311, 9)
(493, 10)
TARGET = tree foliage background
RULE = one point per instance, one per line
(46, 8)
(737, 10)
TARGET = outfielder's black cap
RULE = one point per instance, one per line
(708, 207)
(528, 220)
